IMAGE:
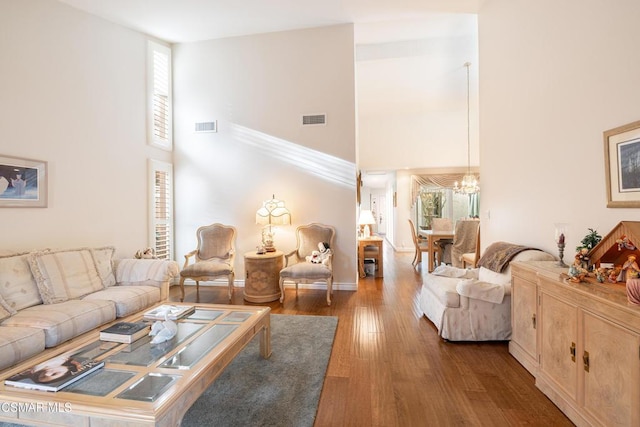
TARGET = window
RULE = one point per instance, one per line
(159, 100)
(161, 208)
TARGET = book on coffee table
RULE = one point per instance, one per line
(54, 374)
(125, 332)
(173, 312)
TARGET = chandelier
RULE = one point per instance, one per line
(469, 183)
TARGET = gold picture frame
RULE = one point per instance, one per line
(23, 183)
(622, 165)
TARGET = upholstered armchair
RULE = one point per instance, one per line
(298, 270)
(213, 258)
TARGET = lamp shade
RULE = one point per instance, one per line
(366, 217)
(273, 212)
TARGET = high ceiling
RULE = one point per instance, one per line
(178, 21)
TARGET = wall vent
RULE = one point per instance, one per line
(314, 119)
(206, 126)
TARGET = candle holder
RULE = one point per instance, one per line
(560, 230)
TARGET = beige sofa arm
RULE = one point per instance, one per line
(151, 272)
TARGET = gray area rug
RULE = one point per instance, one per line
(282, 391)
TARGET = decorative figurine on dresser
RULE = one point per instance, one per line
(614, 258)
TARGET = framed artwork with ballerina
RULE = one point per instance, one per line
(23, 183)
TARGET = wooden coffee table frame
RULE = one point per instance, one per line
(32, 407)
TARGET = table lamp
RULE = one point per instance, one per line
(272, 212)
(366, 219)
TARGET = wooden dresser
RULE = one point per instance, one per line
(581, 342)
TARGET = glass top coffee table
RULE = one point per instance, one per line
(141, 383)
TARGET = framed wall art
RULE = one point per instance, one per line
(23, 183)
(622, 166)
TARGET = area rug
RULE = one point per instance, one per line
(281, 391)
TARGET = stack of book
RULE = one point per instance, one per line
(172, 312)
(125, 332)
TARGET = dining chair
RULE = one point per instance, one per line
(471, 259)
(213, 257)
(465, 240)
(421, 245)
(298, 270)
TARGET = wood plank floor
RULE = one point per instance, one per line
(388, 366)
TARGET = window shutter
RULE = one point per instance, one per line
(162, 209)
(160, 103)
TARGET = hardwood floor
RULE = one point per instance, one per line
(388, 366)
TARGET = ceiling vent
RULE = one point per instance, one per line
(314, 119)
(206, 126)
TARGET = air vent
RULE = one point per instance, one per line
(206, 126)
(314, 119)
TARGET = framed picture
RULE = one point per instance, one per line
(23, 183)
(622, 166)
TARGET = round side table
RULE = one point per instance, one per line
(262, 280)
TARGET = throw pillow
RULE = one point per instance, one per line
(5, 310)
(18, 288)
(65, 275)
(103, 257)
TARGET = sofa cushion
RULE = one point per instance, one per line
(18, 344)
(63, 321)
(64, 275)
(128, 299)
(306, 270)
(103, 258)
(18, 288)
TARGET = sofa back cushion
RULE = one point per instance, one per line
(504, 278)
(103, 258)
(18, 288)
(64, 275)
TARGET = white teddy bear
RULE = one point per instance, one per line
(321, 256)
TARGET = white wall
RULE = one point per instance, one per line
(553, 76)
(73, 94)
(257, 87)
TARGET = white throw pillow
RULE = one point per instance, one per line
(103, 257)
(18, 288)
(65, 275)
(489, 276)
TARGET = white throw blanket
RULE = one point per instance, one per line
(449, 271)
(484, 291)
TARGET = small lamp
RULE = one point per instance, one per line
(366, 219)
(272, 212)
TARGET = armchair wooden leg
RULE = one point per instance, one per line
(230, 286)
(281, 289)
(329, 291)
(182, 289)
(197, 291)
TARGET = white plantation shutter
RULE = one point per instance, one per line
(159, 94)
(161, 208)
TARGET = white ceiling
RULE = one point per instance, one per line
(178, 21)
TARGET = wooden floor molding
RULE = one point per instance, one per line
(390, 368)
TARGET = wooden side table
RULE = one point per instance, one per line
(370, 241)
(262, 276)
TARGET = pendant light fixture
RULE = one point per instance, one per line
(469, 183)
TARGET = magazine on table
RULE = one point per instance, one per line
(54, 374)
(125, 332)
(173, 312)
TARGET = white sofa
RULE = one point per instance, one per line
(48, 297)
(472, 304)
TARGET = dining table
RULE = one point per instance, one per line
(432, 236)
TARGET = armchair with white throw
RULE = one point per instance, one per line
(475, 304)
